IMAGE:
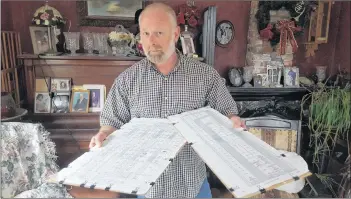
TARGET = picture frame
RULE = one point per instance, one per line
(42, 84)
(80, 101)
(42, 102)
(106, 13)
(291, 77)
(40, 39)
(60, 84)
(60, 103)
(187, 45)
(96, 97)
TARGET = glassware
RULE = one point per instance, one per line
(247, 76)
(321, 74)
(8, 105)
(72, 41)
(88, 42)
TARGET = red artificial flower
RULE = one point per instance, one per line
(192, 21)
(180, 18)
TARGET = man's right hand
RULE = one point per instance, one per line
(97, 139)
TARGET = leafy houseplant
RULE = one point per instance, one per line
(328, 120)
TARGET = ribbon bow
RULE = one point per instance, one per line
(287, 29)
(267, 32)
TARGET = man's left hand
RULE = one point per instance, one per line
(237, 122)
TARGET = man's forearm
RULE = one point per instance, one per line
(107, 129)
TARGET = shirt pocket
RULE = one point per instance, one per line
(193, 97)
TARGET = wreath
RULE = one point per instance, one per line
(283, 30)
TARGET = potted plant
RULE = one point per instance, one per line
(328, 120)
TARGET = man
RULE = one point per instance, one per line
(81, 104)
(163, 84)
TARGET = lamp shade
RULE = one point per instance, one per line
(47, 16)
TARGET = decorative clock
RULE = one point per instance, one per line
(224, 33)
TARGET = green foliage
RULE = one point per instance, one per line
(328, 120)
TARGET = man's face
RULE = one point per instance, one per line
(158, 36)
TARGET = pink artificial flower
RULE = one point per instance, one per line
(44, 16)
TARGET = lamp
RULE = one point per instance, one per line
(50, 17)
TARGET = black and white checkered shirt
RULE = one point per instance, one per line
(143, 91)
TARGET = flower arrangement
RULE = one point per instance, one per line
(47, 16)
(188, 15)
(121, 40)
(115, 36)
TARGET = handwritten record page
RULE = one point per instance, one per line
(130, 160)
(245, 164)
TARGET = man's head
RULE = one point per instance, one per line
(81, 96)
(158, 32)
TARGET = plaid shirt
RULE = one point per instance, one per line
(143, 91)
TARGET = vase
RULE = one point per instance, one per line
(8, 105)
(235, 77)
(119, 47)
(247, 76)
(88, 42)
(321, 74)
(72, 41)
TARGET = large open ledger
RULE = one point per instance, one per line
(132, 158)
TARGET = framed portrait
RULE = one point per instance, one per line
(80, 101)
(42, 102)
(40, 39)
(291, 77)
(108, 13)
(60, 103)
(97, 97)
(187, 45)
(60, 84)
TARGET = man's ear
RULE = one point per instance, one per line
(176, 34)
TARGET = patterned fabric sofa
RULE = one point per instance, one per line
(28, 158)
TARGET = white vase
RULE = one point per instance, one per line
(247, 76)
(321, 74)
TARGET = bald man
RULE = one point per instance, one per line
(166, 83)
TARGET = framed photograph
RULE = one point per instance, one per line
(80, 101)
(42, 84)
(42, 102)
(60, 103)
(291, 77)
(187, 45)
(108, 13)
(60, 84)
(97, 97)
(40, 39)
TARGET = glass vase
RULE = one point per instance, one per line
(321, 74)
(72, 41)
(88, 42)
(247, 76)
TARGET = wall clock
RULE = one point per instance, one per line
(224, 33)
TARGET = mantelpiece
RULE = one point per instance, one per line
(71, 132)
